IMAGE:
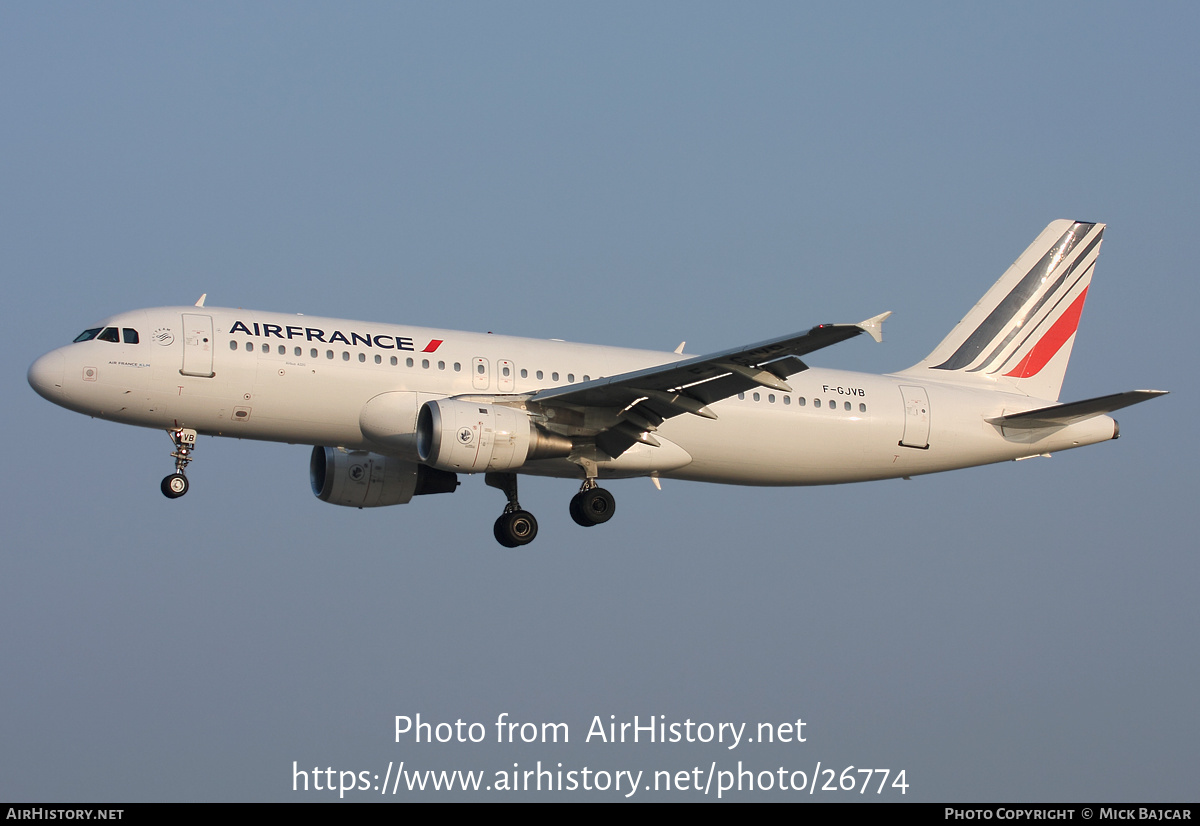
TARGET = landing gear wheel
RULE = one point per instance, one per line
(174, 486)
(498, 531)
(515, 528)
(593, 506)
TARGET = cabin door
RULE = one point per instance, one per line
(916, 417)
(197, 345)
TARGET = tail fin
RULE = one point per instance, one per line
(1021, 332)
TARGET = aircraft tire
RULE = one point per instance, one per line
(174, 486)
(592, 507)
(515, 529)
(499, 533)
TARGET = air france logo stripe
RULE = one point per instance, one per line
(1052, 342)
(1025, 301)
(1056, 292)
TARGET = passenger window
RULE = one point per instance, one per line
(130, 335)
(88, 335)
(362, 358)
(816, 402)
(506, 371)
(232, 344)
(801, 401)
(757, 397)
(345, 356)
(554, 376)
(266, 348)
(441, 365)
(771, 398)
(586, 377)
(524, 372)
(249, 346)
(109, 334)
(408, 362)
(457, 367)
(312, 353)
(395, 361)
(378, 359)
(787, 399)
(298, 351)
(329, 354)
(539, 375)
(282, 350)
(846, 405)
(862, 408)
(571, 377)
(742, 396)
(425, 365)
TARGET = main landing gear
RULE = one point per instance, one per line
(176, 484)
(592, 505)
(515, 527)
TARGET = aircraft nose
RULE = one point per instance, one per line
(46, 376)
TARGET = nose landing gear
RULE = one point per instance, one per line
(176, 484)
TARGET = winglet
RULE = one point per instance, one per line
(874, 326)
(200, 303)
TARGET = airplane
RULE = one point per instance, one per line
(394, 412)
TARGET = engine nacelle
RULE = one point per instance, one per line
(358, 479)
(471, 437)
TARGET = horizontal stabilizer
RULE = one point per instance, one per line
(1063, 414)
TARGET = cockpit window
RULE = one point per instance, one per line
(109, 334)
(129, 335)
(88, 335)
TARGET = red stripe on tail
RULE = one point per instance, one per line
(1051, 342)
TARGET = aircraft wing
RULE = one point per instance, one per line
(639, 401)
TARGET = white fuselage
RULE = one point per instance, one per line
(321, 381)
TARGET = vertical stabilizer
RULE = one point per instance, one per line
(1021, 332)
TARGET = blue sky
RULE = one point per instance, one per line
(629, 174)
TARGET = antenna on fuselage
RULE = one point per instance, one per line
(203, 296)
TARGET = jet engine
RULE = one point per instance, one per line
(472, 437)
(358, 479)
